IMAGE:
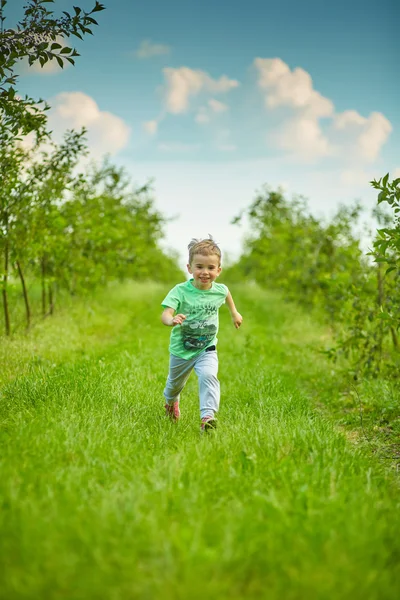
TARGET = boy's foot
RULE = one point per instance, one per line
(208, 424)
(172, 411)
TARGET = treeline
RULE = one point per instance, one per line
(61, 229)
(322, 266)
(66, 230)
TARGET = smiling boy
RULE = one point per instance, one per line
(191, 309)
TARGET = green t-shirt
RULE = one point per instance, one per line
(200, 328)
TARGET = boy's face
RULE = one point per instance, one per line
(205, 270)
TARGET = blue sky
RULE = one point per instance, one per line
(215, 99)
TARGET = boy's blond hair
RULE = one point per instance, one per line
(204, 247)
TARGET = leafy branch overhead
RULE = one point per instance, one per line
(38, 37)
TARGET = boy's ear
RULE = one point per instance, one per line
(189, 268)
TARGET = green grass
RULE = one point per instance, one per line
(101, 497)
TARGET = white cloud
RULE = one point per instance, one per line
(106, 133)
(290, 88)
(352, 136)
(148, 49)
(360, 137)
(348, 118)
(183, 83)
(376, 130)
(217, 106)
(303, 138)
(150, 127)
(301, 135)
(205, 113)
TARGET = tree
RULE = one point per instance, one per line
(38, 37)
(33, 188)
(11, 163)
(50, 178)
(321, 265)
(387, 246)
(386, 249)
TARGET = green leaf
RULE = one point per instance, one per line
(385, 180)
(384, 315)
(389, 270)
(66, 50)
(381, 197)
(98, 7)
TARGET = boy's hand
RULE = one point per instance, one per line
(178, 320)
(237, 319)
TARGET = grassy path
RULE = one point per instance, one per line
(100, 497)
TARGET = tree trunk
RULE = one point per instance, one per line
(381, 295)
(5, 296)
(51, 298)
(25, 293)
(381, 300)
(394, 338)
(43, 268)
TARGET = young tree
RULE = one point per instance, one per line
(31, 231)
(387, 246)
(386, 250)
(321, 265)
(50, 178)
(11, 163)
(113, 230)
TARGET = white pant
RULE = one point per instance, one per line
(206, 369)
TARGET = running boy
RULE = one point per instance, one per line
(191, 309)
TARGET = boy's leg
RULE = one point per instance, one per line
(179, 371)
(206, 368)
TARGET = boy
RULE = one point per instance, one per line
(191, 309)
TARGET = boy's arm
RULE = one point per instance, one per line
(169, 319)
(236, 316)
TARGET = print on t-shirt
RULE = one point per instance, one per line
(200, 328)
(197, 335)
